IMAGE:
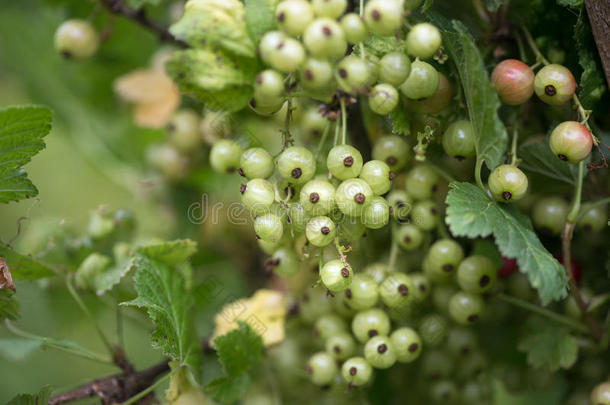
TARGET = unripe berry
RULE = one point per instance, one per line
(317, 74)
(256, 163)
(320, 231)
(354, 28)
(293, 16)
(370, 323)
(76, 39)
(257, 195)
(433, 330)
(549, 214)
(554, 84)
(394, 68)
(401, 204)
(383, 99)
(571, 141)
(317, 197)
(284, 262)
(335, 276)
(409, 237)
(183, 131)
(594, 219)
(458, 140)
(379, 351)
(383, 17)
(407, 344)
(421, 182)
(287, 56)
(376, 214)
(393, 150)
(356, 371)
(341, 345)
(423, 40)
(352, 74)
(352, 196)
(378, 175)
(476, 274)
(436, 102)
(225, 156)
(507, 183)
(313, 124)
(344, 162)
(514, 81)
(422, 82)
(297, 217)
(363, 293)
(328, 325)
(396, 291)
(268, 45)
(466, 308)
(601, 394)
(268, 227)
(296, 164)
(444, 257)
(329, 8)
(324, 39)
(321, 368)
(268, 87)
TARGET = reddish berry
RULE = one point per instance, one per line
(514, 81)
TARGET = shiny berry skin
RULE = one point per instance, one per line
(601, 394)
(183, 131)
(394, 68)
(352, 196)
(363, 293)
(378, 271)
(401, 204)
(288, 55)
(257, 196)
(256, 163)
(268, 227)
(320, 231)
(356, 371)
(312, 123)
(466, 308)
(341, 346)
(507, 183)
(317, 74)
(268, 45)
(444, 391)
(571, 141)
(351, 229)
(554, 84)
(444, 257)
(423, 40)
(383, 17)
(476, 274)
(321, 368)
(378, 175)
(458, 140)
(407, 344)
(425, 215)
(76, 39)
(421, 182)
(352, 74)
(296, 164)
(549, 214)
(370, 323)
(421, 286)
(324, 39)
(409, 237)
(436, 102)
(328, 325)
(225, 156)
(433, 330)
(396, 291)
(423, 81)
(297, 217)
(268, 87)
(383, 99)
(376, 213)
(266, 110)
(379, 352)
(284, 262)
(344, 162)
(514, 81)
(354, 28)
(292, 16)
(329, 8)
(393, 150)
(335, 276)
(594, 219)
(317, 197)
(461, 341)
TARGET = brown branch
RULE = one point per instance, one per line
(599, 17)
(138, 16)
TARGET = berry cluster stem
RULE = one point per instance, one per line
(477, 172)
(343, 122)
(393, 250)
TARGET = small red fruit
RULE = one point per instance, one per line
(571, 141)
(514, 81)
(509, 267)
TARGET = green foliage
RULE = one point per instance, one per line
(570, 3)
(592, 82)
(260, 17)
(400, 122)
(41, 397)
(21, 132)
(538, 158)
(480, 95)
(548, 345)
(141, 3)
(18, 349)
(24, 267)
(8, 305)
(379, 46)
(493, 5)
(238, 351)
(106, 280)
(472, 214)
(173, 252)
(427, 4)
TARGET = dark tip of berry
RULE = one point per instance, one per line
(400, 204)
(376, 15)
(550, 90)
(460, 158)
(447, 268)
(407, 239)
(280, 46)
(170, 128)
(563, 157)
(296, 173)
(473, 318)
(403, 290)
(281, 17)
(242, 188)
(391, 176)
(413, 347)
(315, 133)
(327, 31)
(434, 188)
(465, 350)
(325, 230)
(391, 210)
(343, 73)
(373, 333)
(308, 369)
(391, 160)
(359, 198)
(314, 198)
(484, 281)
(308, 74)
(337, 349)
(507, 195)
(422, 287)
(353, 371)
(230, 170)
(253, 103)
(66, 54)
(348, 293)
(257, 237)
(344, 273)
(241, 172)
(259, 79)
(433, 211)
(382, 348)
(348, 161)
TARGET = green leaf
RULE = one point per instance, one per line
(24, 267)
(21, 133)
(570, 3)
(379, 46)
(41, 397)
(106, 280)
(228, 390)
(538, 158)
(472, 214)
(400, 122)
(220, 81)
(260, 18)
(548, 345)
(173, 252)
(427, 5)
(161, 291)
(141, 3)
(485, 247)
(493, 5)
(479, 94)
(592, 83)
(8, 305)
(18, 349)
(215, 24)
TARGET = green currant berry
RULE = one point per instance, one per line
(352, 196)
(351, 229)
(288, 56)
(370, 323)
(268, 227)
(601, 394)
(296, 164)
(514, 81)
(352, 74)
(329, 8)
(444, 257)
(183, 130)
(433, 330)
(401, 204)
(466, 308)
(225, 155)
(324, 39)
(266, 109)
(357, 371)
(423, 40)
(354, 28)
(268, 87)
(444, 391)
(320, 231)
(423, 81)
(321, 368)
(376, 213)
(549, 214)
(554, 84)
(257, 195)
(474, 392)
(363, 293)
(594, 219)
(441, 294)
(378, 271)
(378, 175)
(571, 142)
(313, 124)
(436, 102)
(284, 262)
(436, 364)
(341, 346)
(393, 150)
(318, 197)
(421, 182)
(409, 237)
(268, 45)
(335, 276)
(421, 286)
(317, 74)
(297, 217)
(344, 162)
(507, 183)
(394, 68)
(313, 305)
(383, 17)
(425, 215)
(383, 99)
(461, 341)
(379, 351)
(458, 140)
(473, 365)
(407, 344)
(76, 39)
(256, 163)
(476, 274)
(329, 325)
(293, 16)
(268, 247)
(396, 291)
(412, 4)
(373, 63)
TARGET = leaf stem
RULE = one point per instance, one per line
(150, 388)
(477, 172)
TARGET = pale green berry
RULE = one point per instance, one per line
(320, 231)
(421, 182)
(425, 215)
(312, 123)
(317, 197)
(329, 8)
(268, 227)
(225, 156)
(376, 214)
(257, 195)
(423, 81)
(394, 68)
(284, 262)
(268, 45)
(379, 351)
(344, 162)
(458, 140)
(341, 346)
(407, 344)
(352, 74)
(329, 325)
(409, 237)
(76, 39)
(293, 16)
(393, 150)
(421, 286)
(324, 39)
(383, 17)
(288, 56)
(297, 217)
(357, 371)
(378, 271)
(296, 164)
(354, 28)
(378, 175)
(507, 183)
(352, 196)
(423, 40)
(444, 257)
(321, 368)
(383, 99)
(369, 323)
(336, 276)
(466, 308)
(396, 291)
(363, 293)
(183, 131)
(256, 163)
(476, 274)
(317, 74)
(401, 204)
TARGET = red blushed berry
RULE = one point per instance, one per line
(514, 81)
(509, 267)
(576, 267)
(571, 142)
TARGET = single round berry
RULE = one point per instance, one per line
(166, 159)
(363, 293)
(183, 131)
(514, 81)
(383, 17)
(329, 8)
(225, 156)
(433, 330)
(328, 325)
(268, 87)
(268, 45)
(376, 214)
(317, 197)
(341, 346)
(378, 271)
(296, 164)
(317, 74)
(466, 308)
(352, 196)
(320, 231)
(379, 351)
(370, 323)
(321, 368)
(401, 204)
(458, 140)
(443, 259)
(407, 344)
(436, 102)
(257, 196)
(352, 74)
(394, 68)
(287, 56)
(354, 29)
(297, 217)
(436, 364)
(324, 39)
(383, 99)
(421, 182)
(344, 162)
(378, 175)
(549, 214)
(396, 291)
(313, 305)
(284, 262)
(256, 163)
(423, 81)
(476, 274)
(292, 16)
(444, 391)
(336, 276)
(554, 84)
(268, 227)
(594, 219)
(507, 183)
(421, 286)
(76, 39)
(312, 123)
(409, 237)
(357, 371)
(423, 40)
(393, 150)
(571, 142)
(472, 366)
(601, 394)
(266, 110)
(425, 215)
